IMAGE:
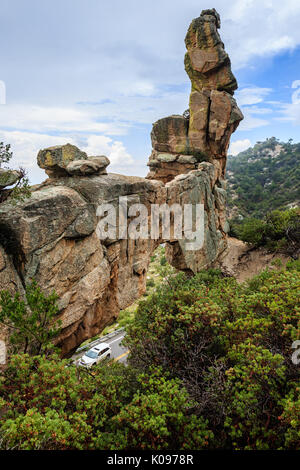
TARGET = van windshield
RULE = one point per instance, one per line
(91, 354)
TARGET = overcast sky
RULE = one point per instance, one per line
(98, 73)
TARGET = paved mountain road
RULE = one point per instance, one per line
(118, 351)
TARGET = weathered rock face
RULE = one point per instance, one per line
(206, 62)
(165, 166)
(91, 166)
(65, 160)
(170, 134)
(54, 236)
(224, 118)
(9, 280)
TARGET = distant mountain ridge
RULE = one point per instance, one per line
(263, 178)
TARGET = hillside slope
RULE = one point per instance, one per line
(263, 178)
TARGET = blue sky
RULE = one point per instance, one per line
(98, 73)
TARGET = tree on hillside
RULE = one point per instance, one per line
(13, 183)
(264, 178)
(279, 231)
(32, 322)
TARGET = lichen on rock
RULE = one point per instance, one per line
(54, 160)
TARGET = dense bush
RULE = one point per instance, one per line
(210, 367)
(278, 231)
(46, 405)
(150, 283)
(231, 347)
(163, 261)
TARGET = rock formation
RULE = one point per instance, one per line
(64, 160)
(203, 134)
(52, 236)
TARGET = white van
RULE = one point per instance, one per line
(95, 355)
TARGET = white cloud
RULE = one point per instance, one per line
(252, 95)
(114, 150)
(2, 92)
(296, 94)
(136, 108)
(278, 110)
(127, 68)
(238, 146)
(55, 119)
(25, 145)
(250, 99)
(253, 30)
(251, 121)
(290, 112)
(139, 88)
(30, 128)
(135, 51)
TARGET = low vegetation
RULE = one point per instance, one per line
(210, 368)
(277, 231)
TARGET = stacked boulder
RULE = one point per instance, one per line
(203, 133)
(68, 160)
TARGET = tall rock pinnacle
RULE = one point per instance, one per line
(204, 133)
(206, 62)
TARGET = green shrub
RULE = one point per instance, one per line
(279, 230)
(46, 405)
(209, 368)
(32, 320)
(163, 261)
(293, 265)
(125, 318)
(230, 345)
(252, 232)
(150, 283)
